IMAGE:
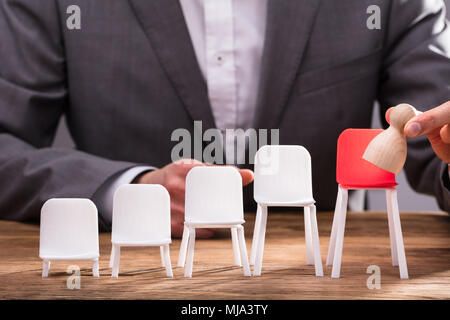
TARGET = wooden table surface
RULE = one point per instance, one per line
(284, 273)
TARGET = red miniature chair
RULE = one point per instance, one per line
(352, 173)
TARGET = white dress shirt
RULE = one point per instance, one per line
(228, 40)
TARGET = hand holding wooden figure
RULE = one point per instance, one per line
(388, 149)
(435, 124)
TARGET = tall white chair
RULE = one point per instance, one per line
(283, 178)
(213, 200)
(69, 231)
(141, 217)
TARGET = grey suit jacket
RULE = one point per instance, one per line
(129, 77)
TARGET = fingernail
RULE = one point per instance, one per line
(413, 130)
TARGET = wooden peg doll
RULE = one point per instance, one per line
(388, 149)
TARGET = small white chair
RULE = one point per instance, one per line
(69, 231)
(283, 178)
(213, 200)
(141, 217)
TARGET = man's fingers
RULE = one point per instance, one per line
(200, 233)
(177, 210)
(434, 136)
(445, 133)
(203, 233)
(177, 219)
(428, 121)
(183, 166)
(177, 230)
(388, 114)
(188, 161)
(175, 187)
(247, 176)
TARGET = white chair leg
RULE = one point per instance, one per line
(235, 242)
(243, 251)
(190, 254)
(316, 243)
(166, 259)
(255, 235)
(332, 245)
(116, 263)
(183, 247)
(45, 268)
(398, 235)
(342, 212)
(95, 268)
(111, 258)
(394, 254)
(308, 236)
(163, 258)
(261, 240)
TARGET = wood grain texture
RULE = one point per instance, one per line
(284, 274)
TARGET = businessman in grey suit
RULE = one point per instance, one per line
(131, 72)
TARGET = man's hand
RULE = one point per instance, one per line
(173, 178)
(435, 124)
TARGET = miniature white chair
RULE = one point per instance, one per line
(354, 173)
(283, 178)
(141, 217)
(69, 231)
(213, 200)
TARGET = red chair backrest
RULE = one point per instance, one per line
(352, 171)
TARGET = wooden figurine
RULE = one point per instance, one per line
(388, 149)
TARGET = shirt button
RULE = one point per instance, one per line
(219, 59)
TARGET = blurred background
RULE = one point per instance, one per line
(409, 200)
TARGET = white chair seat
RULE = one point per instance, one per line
(198, 224)
(142, 243)
(298, 203)
(87, 256)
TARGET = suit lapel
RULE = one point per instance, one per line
(289, 23)
(164, 25)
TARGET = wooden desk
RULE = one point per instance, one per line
(284, 274)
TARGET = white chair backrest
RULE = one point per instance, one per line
(214, 195)
(141, 213)
(69, 228)
(282, 174)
